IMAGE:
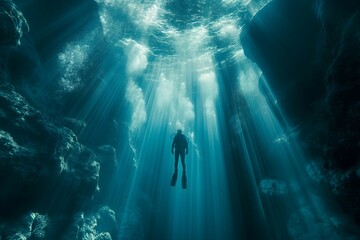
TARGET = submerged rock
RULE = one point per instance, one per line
(29, 226)
(39, 227)
(106, 220)
(37, 157)
(106, 156)
(19, 229)
(77, 126)
(307, 224)
(13, 24)
(93, 225)
(103, 236)
(273, 187)
(309, 54)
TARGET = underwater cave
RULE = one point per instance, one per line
(263, 95)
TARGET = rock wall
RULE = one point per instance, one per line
(36, 155)
(48, 179)
(309, 53)
(13, 23)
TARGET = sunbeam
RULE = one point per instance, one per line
(130, 82)
(178, 88)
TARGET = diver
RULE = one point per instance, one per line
(180, 144)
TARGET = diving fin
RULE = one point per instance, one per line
(184, 181)
(173, 179)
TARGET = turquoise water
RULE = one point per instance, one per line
(180, 64)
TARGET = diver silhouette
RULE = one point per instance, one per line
(180, 144)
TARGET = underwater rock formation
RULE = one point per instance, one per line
(273, 187)
(54, 177)
(316, 227)
(13, 24)
(311, 63)
(341, 152)
(100, 225)
(29, 226)
(47, 176)
(37, 155)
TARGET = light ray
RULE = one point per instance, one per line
(222, 112)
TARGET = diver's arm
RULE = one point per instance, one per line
(186, 146)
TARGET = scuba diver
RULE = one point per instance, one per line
(180, 144)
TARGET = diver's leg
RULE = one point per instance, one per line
(182, 155)
(174, 176)
(176, 159)
(184, 179)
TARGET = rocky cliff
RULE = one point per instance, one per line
(309, 53)
(47, 177)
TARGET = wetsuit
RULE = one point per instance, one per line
(181, 147)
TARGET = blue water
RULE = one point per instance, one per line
(180, 64)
